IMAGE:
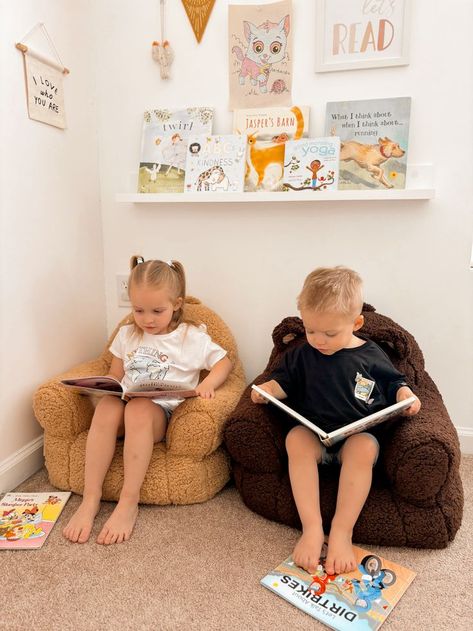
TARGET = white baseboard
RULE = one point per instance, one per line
(465, 435)
(21, 465)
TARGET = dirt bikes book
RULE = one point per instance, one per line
(329, 439)
(149, 389)
(361, 599)
(374, 136)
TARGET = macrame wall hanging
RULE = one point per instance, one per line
(43, 77)
(162, 51)
(198, 12)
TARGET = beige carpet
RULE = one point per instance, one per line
(198, 567)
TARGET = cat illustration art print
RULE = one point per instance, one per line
(260, 53)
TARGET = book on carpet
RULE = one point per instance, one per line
(374, 137)
(361, 599)
(164, 146)
(354, 427)
(215, 164)
(311, 164)
(147, 388)
(267, 130)
(26, 519)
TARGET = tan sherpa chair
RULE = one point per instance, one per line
(189, 466)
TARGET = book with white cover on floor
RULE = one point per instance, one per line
(339, 434)
(149, 389)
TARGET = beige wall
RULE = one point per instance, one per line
(248, 260)
(52, 299)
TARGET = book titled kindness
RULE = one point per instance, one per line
(215, 164)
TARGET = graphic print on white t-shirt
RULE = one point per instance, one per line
(146, 363)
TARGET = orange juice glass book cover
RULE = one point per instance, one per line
(357, 600)
(26, 519)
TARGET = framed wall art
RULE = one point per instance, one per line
(354, 34)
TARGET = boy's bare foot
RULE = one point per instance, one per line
(340, 553)
(119, 525)
(80, 525)
(306, 553)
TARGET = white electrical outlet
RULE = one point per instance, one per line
(122, 290)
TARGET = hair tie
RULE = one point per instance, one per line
(170, 263)
(139, 259)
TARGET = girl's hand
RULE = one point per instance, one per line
(205, 391)
(404, 393)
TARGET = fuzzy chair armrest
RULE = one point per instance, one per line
(196, 426)
(421, 451)
(255, 435)
(62, 412)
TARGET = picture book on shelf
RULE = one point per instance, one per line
(311, 164)
(26, 519)
(215, 164)
(354, 427)
(374, 137)
(267, 130)
(164, 146)
(146, 388)
(357, 600)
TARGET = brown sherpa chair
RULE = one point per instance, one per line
(190, 466)
(416, 497)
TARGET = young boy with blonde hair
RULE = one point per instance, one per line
(334, 378)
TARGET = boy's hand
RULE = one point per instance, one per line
(404, 393)
(271, 387)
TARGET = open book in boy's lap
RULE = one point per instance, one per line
(350, 428)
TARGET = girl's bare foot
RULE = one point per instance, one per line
(80, 525)
(306, 553)
(119, 525)
(340, 553)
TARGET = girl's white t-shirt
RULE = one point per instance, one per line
(178, 356)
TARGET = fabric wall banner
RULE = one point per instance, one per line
(45, 93)
(198, 12)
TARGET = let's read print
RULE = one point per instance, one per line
(361, 33)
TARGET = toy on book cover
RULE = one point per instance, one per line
(164, 146)
(361, 599)
(215, 164)
(267, 132)
(374, 137)
(311, 164)
(26, 519)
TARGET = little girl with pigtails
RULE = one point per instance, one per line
(159, 344)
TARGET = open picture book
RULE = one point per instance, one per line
(347, 430)
(150, 389)
(361, 599)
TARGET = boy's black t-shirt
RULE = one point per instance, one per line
(333, 390)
